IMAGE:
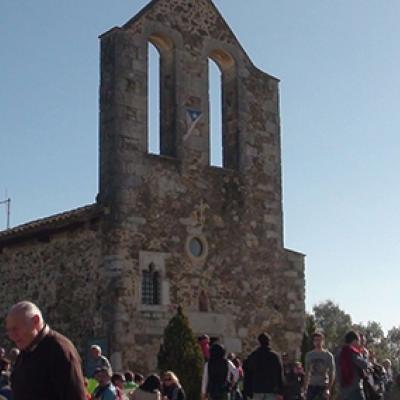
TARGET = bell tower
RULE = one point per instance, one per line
(180, 231)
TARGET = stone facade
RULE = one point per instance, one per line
(170, 229)
(55, 263)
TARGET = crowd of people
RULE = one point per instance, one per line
(102, 384)
(266, 375)
(45, 365)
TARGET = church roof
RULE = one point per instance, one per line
(47, 225)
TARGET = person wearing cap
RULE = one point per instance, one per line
(49, 367)
(106, 390)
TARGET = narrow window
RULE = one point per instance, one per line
(151, 288)
(224, 110)
(153, 98)
(215, 112)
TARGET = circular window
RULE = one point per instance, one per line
(196, 247)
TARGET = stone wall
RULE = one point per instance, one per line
(60, 273)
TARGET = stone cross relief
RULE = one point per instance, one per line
(198, 216)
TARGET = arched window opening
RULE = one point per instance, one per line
(153, 99)
(151, 286)
(223, 110)
(215, 113)
(161, 96)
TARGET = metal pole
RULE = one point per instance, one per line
(8, 212)
(7, 203)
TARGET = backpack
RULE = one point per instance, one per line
(218, 383)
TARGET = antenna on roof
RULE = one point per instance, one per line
(7, 204)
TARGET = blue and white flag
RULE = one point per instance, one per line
(192, 118)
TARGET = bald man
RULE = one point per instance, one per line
(48, 367)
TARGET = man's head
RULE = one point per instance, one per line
(298, 367)
(129, 376)
(6, 365)
(387, 364)
(95, 351)
(203, 339)
(318, 339)
(372, 356)
(139, 378)
(102, 375)
(352, 338)
(217, 352)
(363, 340)
(264, 339)
(118, 380)
(24, 322)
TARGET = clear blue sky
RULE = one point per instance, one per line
(339, 63)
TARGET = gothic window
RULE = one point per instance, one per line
(223, 110)
(151, 286)
(161, 104)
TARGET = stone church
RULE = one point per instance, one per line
(170, 229)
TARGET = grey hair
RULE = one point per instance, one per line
(27, 308)
(97, 347)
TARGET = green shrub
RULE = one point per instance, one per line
(181, 354)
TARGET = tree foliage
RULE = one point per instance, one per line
(393, 342)
(376, 339)
(181, 354)
(333, 321)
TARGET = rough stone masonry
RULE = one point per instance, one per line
(170, 229)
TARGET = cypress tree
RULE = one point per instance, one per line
(181, 354)
(309, 329)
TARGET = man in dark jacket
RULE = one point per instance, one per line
(48, 367)
(264, 372)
